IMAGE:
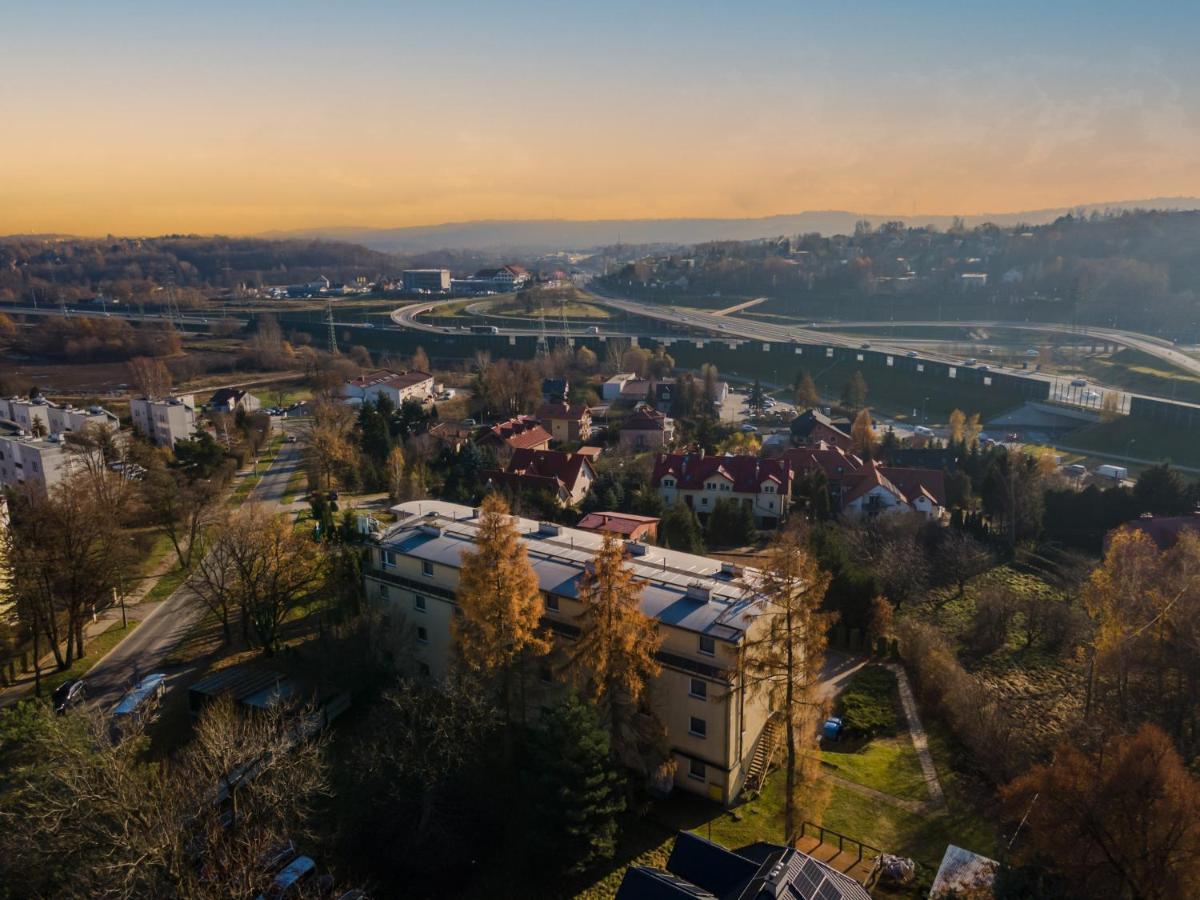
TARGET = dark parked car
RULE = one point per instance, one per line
(68, 694)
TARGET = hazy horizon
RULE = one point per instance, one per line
(242, 119)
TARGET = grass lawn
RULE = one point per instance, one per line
(93, 652)
(246, 483)
(552, 309)
(297, 485)
(887, 764)
(166, 585)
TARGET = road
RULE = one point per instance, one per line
(148, 645)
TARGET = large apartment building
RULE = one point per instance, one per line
(41, 417)
(39, 463)
(705, 611)
(164, 421)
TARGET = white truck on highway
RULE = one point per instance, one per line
(1116, 473)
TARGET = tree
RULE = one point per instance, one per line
(1121, 823)
(960, 557)
(396, 475)
(785, 652)
(1109, 409)
(420, 361)
(731, 524)
(757, 398)
(862, 434)
(958, 426)
(709, 373)
(260, 566)
(92, 818)
(1161, 490)
(806, 393)
(180, 509)
(150, 376)
(854, 394)
(613, 659)
(740, 443)
(501, 605)
(882, 615)
(575, 791)
(680, 530)
(326, 445)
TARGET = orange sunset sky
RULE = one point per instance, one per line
(138, 118)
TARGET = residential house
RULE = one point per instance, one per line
(492, 281)
(861, 489)
(627, 525)
(698, 869)
(646, 429)
(396, 386)
(164, 421)
(566, 476)
(450, 436)
(517, 433)
(662, 393)
(812, 426)
(230, 400)
(699, 481)
(707, 612)
(611, 389)
(568, 423)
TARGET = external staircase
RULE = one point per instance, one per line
(764, 753)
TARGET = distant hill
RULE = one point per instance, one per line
(540, 235)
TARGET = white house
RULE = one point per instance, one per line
(396, 386)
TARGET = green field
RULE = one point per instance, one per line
(1139, 439)
(1141, 373)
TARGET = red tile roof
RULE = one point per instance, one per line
(563, 410)
(645, 418)
(565, 467)
(747, 473)
(521, 432)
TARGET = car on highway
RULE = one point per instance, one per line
(984, 368)
(1031, 352)
(864, 346)
(1091, 395)
(592, 329)
(970, 362)
(1078, 382)
(69, 694)
(911, 354)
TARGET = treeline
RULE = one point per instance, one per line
(143, 269)
(1074, 269)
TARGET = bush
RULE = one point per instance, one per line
(868, 704)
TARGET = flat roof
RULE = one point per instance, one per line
(440, 532)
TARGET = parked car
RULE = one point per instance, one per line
(749, 429)
(69, 694)
(923, 431)
(1075, 470)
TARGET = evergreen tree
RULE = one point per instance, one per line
(680, 530)
(500, 605)
(575, 791)
(731, 524)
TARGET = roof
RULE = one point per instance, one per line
(563, 410)
(223, 396)
(835, 462)
(1165, 530)
(441, 532)
(388, 378)
(616, 522)
(747, 473)
(566, 467)
(519, 432)
(645, 418)
(931, 482)
(804, 424)
(701, 870)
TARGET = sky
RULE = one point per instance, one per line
(243, 117)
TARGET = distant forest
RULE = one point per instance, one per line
(1135, 270)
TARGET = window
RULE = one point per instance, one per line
(696, 769)
(698, 727)
(698, 689)
(419, 602)
(427, 568)
(667, 482)
(704, 501)
(551, 603)
(708, 646)
(422, 635)
(389, 559)
(768, 489)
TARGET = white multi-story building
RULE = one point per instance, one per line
(41, 417)
(164, 421)
(705, 609)
(396, 386)
(39, 463)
